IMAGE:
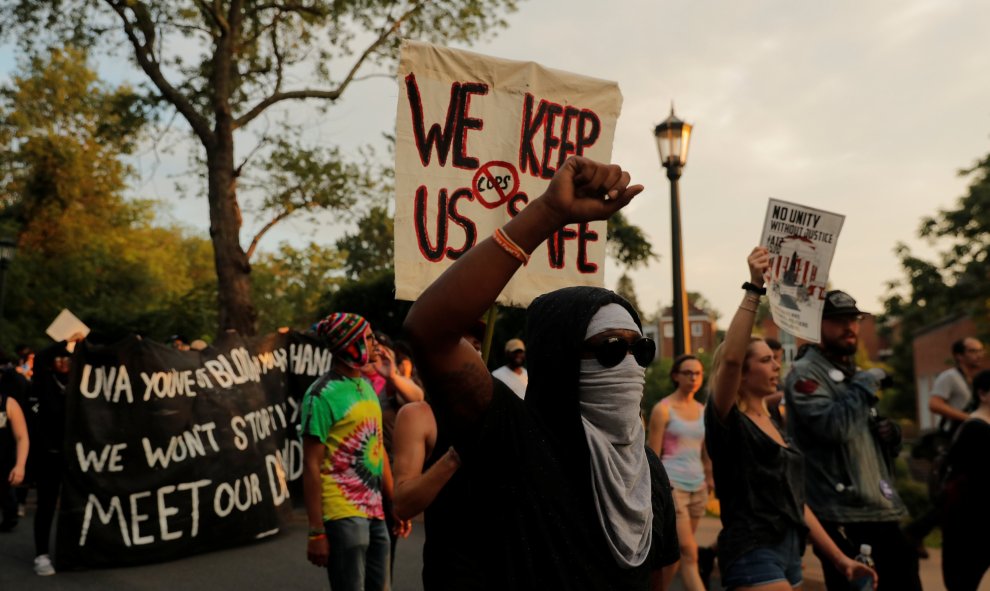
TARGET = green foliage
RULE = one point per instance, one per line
(958, 283)
(372, 296)
(289, 285)
(913, 493)
(81, 244)
(369, 250)
(625, 288)
(627, 243)
(222, 65)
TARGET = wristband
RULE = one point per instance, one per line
(753, 288)
(319, 537)
(316, 532)
(509, 246)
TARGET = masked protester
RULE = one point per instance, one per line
(570, 495)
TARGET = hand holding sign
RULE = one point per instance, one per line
(759, 264)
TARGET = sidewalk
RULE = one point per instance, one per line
(931, 568)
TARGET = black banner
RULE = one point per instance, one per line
(171, 453)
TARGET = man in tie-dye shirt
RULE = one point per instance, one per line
(345, 469)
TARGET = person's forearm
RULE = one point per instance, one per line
(734, 355)
(312, 484)
(388, 489)
(939, 406)
(23, 446)
(313, 497)
(414, 495)
(455, 301)
(820, 538)
(406, 390)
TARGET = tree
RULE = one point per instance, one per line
(625, 288)
(370, 250)
(958, 283)
(82, 245)
(701, 302)
(371, 296)
(290, 285)
(222, 65)
(627, 243)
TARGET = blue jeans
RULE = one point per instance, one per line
(359, 554)
(768, 564)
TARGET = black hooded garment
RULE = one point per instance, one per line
(524, 516)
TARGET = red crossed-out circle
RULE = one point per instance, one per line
(486, 171)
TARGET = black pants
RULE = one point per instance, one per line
(8, 501)
(965, 553)
(896, 559)
(49, 480)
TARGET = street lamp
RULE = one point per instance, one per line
(7, 249)
(673, 136)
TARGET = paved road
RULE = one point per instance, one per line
(280, 563)
(275, 563)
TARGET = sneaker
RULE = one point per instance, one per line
(21, 510)
(43, 566)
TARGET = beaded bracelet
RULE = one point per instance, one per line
(509, 246)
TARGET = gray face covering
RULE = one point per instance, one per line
(620, 474)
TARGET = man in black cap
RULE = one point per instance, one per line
(847, 449)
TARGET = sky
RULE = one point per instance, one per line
(866, 109)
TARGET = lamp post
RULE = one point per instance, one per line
(7, 249)
(673, 136)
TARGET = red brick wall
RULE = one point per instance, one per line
(932, 349)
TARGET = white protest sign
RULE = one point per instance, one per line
(477, 138)
(801, 241)
(65, 326)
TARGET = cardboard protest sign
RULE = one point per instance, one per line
(801, 241)
(65, 326)
(477, 138)
(170, 453)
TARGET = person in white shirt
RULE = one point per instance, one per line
(951, 393)
(513, 374)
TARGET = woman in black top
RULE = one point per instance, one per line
(965, 553)
(759, 476)
(13, 450)
(568, 495)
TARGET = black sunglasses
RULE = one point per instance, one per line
(613, 350)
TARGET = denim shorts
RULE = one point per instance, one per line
(767, 564)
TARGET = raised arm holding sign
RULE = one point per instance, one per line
(545, 468)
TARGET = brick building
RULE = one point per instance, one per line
(932, 351)
(701, 327)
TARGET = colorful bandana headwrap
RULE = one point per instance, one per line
(343, 333)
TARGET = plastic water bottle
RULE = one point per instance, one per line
(864, 583)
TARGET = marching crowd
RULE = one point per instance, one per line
(32, 400)
(542, 474)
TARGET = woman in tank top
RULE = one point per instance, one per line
(677, 435)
